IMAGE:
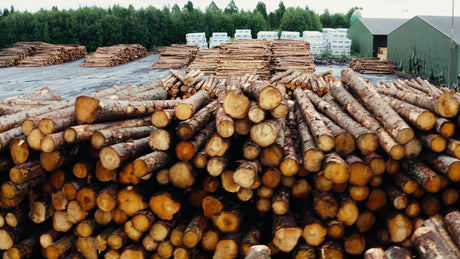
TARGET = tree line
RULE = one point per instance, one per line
(153, 27)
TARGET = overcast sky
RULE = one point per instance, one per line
(371, 8)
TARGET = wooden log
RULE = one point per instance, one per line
(194, 231)
(64, 220)
(60, 247)
(268, 97)
(117, 239)
(103, 138)
(375, 253)
(227, 246)
(149, 163)
(190, 106)
(424, 176)
(49, 237)
(186, 150)
(39, 212)
(323, 136)
(90, 109)
(130, 201)
(360, 172)
(445, 165)
(236, 103)
(191, 126)
(56, 121)
(377, 199)
(331, 249)
(107, 198)
(163, 118)
(452, 224)
(394, 252)
(113, 156)
(399, 227)
(228, 221)
(246, 173)
(82, 133)
(86, 247)
(25, 172)
(444, 127)
(433, 141)
(431, 244)
(419, 117)
(344, 141)
(19, 150)
(286, 232)
(8, 135)
(335, 168)
(325, 205)
(312, 156)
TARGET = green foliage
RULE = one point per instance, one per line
(325, 54)
(152, 27)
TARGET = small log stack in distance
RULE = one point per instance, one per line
(291, 54)
(206, 61)
(175, 56)
(46, 54)
(372, 66)
(12, 56)
(127, 173)
(114, 55)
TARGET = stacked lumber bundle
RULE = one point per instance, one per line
(291, 54)
(244, 57)
(10, 57)
(325, 177)
(176, 56)
(206, 61)
(372, 66)
(293, 79)
(46, 54)
(114, 55)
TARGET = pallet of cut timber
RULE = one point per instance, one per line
(206, 61)
(291, 54)
(372, 66)
(244, 57)
(175, 56)
(114, 55)
(46, 54)
(12, 56)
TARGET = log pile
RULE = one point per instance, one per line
(206, 61)
(114, 55)
(46, 54)
(131, 175)
(293, 79)
(372, 66)
(11, 57)
(244, 57)
(291, 54)
(175, 56)
(42, 97)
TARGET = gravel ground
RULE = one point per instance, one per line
(71, 80)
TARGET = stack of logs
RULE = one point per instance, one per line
(176, 56)
(125, 173)
(244, 57)
(42, 97)
(46, 54)
(206, 61)
(10, 57)
(114, 55)
(291, 54)
(293, 79)
(372, 66)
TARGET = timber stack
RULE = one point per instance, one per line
(46, 54)
(114, 55)
(291, 54)
(129, 174)
(206, 61)
(244, 57)
(42, 97)
(372, 66)
(12, 56)
(175, 56)
(293, 79)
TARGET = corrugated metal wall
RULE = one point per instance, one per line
(418, 48)
(361, 38)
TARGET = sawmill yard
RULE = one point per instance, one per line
(244, 150)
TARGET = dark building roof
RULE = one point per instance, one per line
(443, 24)
(382, 26)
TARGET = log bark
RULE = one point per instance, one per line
(424, 176)
(194, 231)
(445, 165)
(90, 109)
(431, 244)
(8, 135)
(150, 163)
(419, 117)
(60, 247)
(82, 133)
(312, 156)
(191, 126)
(103, 138)
(395, 125)
(186, 150)
(323, 136)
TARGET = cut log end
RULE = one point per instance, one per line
(289, 167)
(447, 106)
(397, 152)
(181, 175)
(433, 184)
(405, 135)
(454, 171)
(367, 143)
(345, 144)
(6, 242)
(85, 109)
(183, 111)
(426, 121)
(185, 151)
(109, 158)
(337, 172)
(97, 140)
(326, 143)
(160, 119)
(269, 98)
(160, 139)
(70, 135)
(244, 177)
(236, 105)
(438, 144)
(312, 160)
(226, 129)
(46, 126)
(286, 239)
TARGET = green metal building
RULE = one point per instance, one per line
(369, 34)
(422, 46)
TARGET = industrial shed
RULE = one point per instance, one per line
(369, 34)
(422, 47)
